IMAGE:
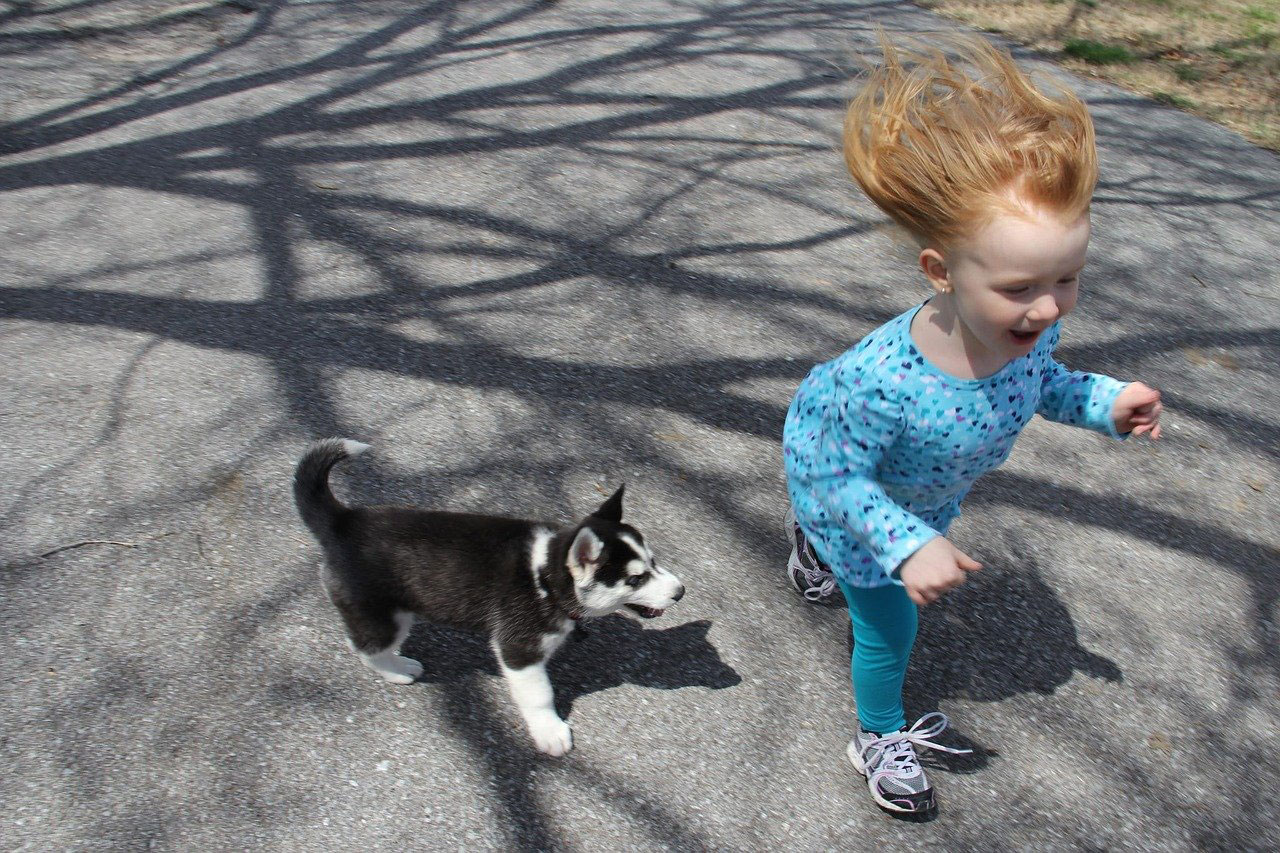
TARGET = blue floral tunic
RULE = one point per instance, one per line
(881, 447)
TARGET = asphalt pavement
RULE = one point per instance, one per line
(529, 251)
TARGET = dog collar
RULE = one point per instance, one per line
(575, 613)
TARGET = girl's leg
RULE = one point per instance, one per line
(884, 630)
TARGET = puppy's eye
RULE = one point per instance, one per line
(636, 580)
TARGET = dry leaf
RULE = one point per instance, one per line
(326, 185)
(1256, 485)
(1200, 358)
(1160, 741)
(670, 436)
(1225, 359)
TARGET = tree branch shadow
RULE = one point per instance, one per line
(590, 71)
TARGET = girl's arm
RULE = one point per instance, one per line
(833, 441)
(1076, 398)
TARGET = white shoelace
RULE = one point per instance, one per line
(898, 752)
(821, 584)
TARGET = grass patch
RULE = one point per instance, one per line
(1219, 59)
(1171, 100)
(1096, 53)
(1230, 54)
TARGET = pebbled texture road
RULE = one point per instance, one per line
(531, 250)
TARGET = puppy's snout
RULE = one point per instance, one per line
(679, 593)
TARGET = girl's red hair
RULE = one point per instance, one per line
(944, 143)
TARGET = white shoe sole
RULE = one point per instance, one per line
(855, 757)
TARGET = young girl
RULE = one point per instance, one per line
(992, 177)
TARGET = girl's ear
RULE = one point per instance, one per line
(934, 266)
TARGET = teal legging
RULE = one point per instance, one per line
(884, 630)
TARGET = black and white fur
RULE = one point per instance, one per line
(524, 583)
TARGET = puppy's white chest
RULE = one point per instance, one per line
(551, 642)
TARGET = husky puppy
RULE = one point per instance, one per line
(524, 583)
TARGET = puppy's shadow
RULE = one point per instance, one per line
(608, 652)
(618, 650)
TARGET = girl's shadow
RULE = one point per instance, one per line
(1003, 633)
(607, 652)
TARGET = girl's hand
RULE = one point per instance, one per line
(1137, 410)
(935, 569)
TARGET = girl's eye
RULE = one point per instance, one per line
(1071, 280)
(1017, 291)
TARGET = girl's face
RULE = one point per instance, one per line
(1012, 280)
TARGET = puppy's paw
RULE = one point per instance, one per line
(552, 735)
(399, 670)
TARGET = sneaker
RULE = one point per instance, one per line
(808, 575)
(892, 768)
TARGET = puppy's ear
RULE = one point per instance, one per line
(584, 554)
(611, 510)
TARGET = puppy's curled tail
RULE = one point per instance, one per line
(316, 503)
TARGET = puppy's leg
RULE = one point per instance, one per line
(526, 675)
(377, 638)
